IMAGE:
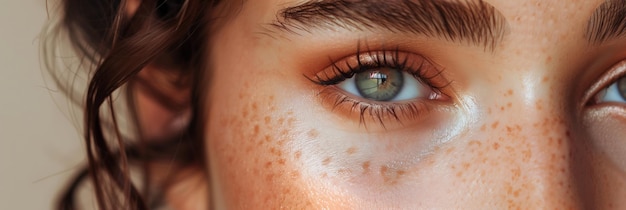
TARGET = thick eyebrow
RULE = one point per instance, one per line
(473, 21)
(607, 22)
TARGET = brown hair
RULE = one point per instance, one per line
(118, 45)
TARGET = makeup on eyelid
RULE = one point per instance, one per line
(419, 70)
(611, 84)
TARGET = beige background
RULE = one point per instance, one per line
(39, 145)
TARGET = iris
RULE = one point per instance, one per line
(380, 84)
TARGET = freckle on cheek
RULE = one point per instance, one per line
(391, 176)
(297, 155)
(509, 92)
(495, 125)
(366, 167)
(383, 170)
(548, 59)
(351, 150)
(267, 119)
(475, 143)
(449, 150)
(327, 160)
(313, 133)
(466, 165)
(256, 142)
(256, 130)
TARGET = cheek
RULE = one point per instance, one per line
(248, 147)
(250, 130)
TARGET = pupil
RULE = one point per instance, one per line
(380, 84)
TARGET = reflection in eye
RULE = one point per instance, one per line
(385, 84)
(616, 92)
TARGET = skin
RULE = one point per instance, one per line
(515, 133)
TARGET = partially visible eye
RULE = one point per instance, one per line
(386, 84)
(616, 92)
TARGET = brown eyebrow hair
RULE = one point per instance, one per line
(474, 22)
(607, 22)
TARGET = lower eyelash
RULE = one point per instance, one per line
(420, 67)
(378, 112)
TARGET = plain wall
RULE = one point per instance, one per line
(39, 146)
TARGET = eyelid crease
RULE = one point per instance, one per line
(616, 71)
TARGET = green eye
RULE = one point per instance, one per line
(379, 84)
(386, 84)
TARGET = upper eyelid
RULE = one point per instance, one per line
(613, 74)
(370, 58)
(424, 69)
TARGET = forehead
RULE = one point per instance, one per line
(546, 23)
(529, 14)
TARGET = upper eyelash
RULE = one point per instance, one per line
(395, 61)
(612, 75)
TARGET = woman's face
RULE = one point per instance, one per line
(418, 105)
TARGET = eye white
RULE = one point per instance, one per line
(411, 88)
(612, 94)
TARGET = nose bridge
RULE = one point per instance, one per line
(537, 134)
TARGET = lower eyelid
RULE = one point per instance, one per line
(373, 114)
